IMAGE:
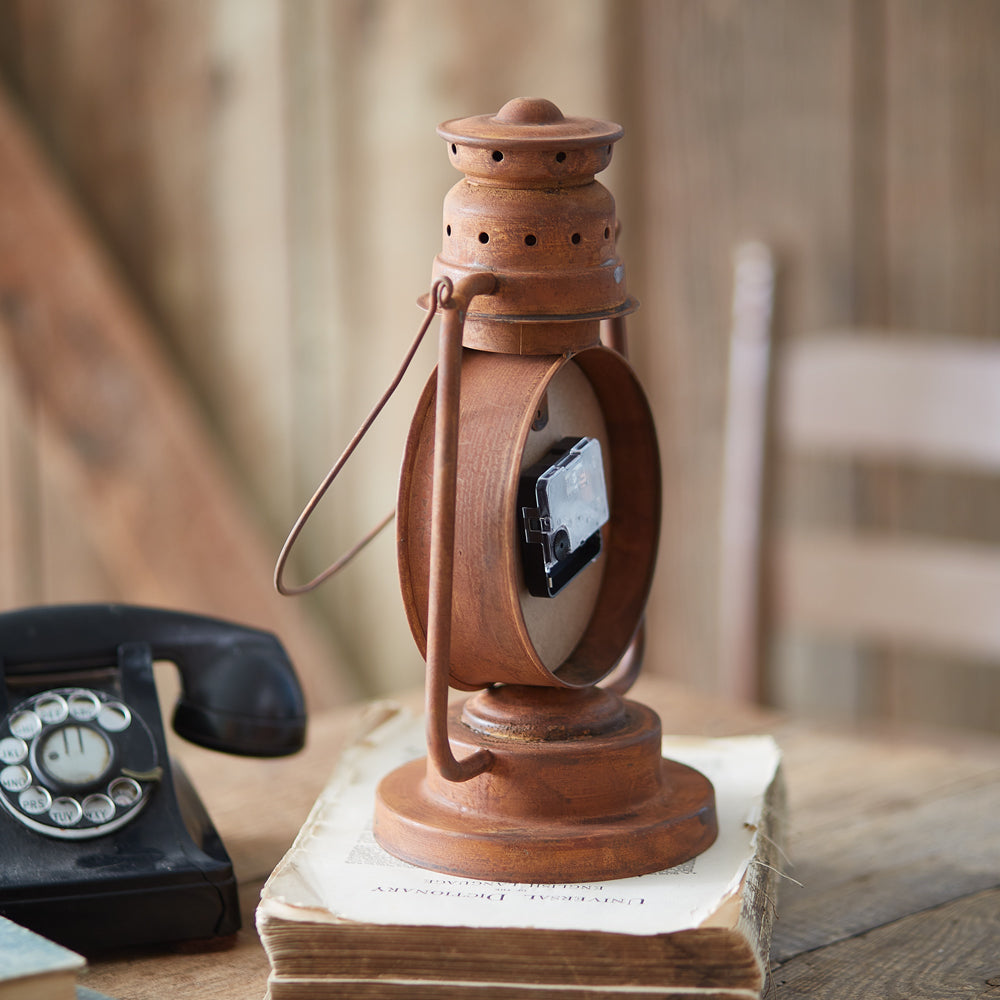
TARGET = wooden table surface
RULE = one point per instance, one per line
(894, 839)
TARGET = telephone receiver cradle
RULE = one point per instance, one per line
(103, 841)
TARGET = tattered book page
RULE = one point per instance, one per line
(337, 872)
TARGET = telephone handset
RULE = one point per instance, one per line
(103, 841)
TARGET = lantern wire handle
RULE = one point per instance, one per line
(440, 298)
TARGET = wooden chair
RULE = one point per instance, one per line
(857, 395)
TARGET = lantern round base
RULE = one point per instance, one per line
(587, 807)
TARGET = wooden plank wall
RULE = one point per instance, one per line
(267, 178)
(745, 120)
(941, 259)
(859, 139)
(101, 431)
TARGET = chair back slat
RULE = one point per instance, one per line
(882, 396)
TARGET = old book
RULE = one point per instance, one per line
(34, 968)
(340, 917)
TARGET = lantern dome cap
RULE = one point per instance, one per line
(529, 122)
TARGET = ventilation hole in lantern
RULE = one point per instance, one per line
(448, 230)
(530, 240)
(607, 232)
(575, 238)
(497, 156)
(560, 157)
(484, 237)
(454, 150)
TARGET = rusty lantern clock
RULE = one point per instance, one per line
(527, 524)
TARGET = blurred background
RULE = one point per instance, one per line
(216, 217)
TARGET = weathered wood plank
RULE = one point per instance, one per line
(745, 124)
(881, 828)
(124, 423)
(910, 592)
(741, 516)
(906, 857)
(69, 560)
(945, 952)
(827, 782)
(943, 157)
(870, 394)
(246, 190)
(20, 549)
(123, 99)
(941, 212)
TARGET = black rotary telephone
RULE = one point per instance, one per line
(103, 841)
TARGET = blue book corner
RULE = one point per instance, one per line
(24, 954)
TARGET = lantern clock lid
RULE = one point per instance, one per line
(529, 121)
(530, 211)
(560, 151)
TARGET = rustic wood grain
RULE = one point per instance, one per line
(124, 431)
(893, 395)
(909, 592)
(912, 401)
(728, 95)
(19, 569)
(948, 951)
(942, 220)
(915, 852)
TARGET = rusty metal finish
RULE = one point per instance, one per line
(530, 211)
(440, 593)
(630, 811)
(543, 775)
(497, 628)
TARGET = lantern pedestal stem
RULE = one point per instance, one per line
(577, 791)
